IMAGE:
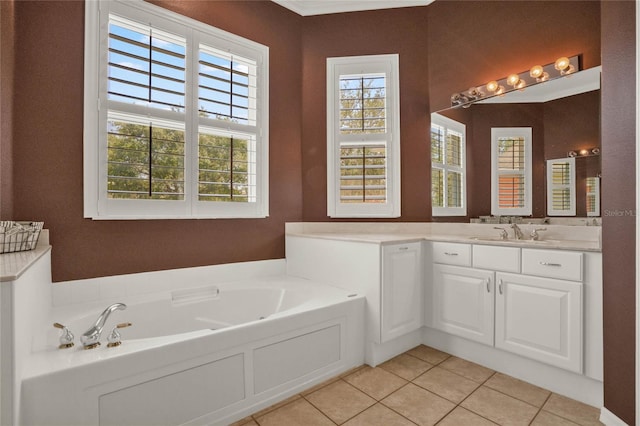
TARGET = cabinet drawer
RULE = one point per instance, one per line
(452, 253)
(566, 265)
(505, 259)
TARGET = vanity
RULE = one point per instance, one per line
(530, 309)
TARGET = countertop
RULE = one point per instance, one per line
(474, 235)
(13, 265)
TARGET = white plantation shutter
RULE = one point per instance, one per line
(511, 171)
(448, 167)
(363, 136)
(182, 117)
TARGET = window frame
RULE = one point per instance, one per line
(364, 65)
(97, 204)
(571, 186)
(450, 124)
(496, 134)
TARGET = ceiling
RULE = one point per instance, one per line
(321, 7)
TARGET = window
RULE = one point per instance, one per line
(561, 184)
(176, 117)
(511, 171)
(448, 167)
(363, 136)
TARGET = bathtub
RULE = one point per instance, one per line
(207, 354)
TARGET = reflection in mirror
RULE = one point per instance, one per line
(593, 196)
(564, 117)
(561, 187)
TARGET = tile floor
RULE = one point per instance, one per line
(424, 387)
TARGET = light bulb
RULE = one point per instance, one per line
(595, 151)
(543, 77)
(492, 86)
(569, 70)
(584, 152)
(513, 79)
(572, 154)
(499, 90)
(536, 71)
(562, 63)
(520, 84)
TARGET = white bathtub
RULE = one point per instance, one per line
(208, 354)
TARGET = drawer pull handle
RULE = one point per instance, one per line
(488, 285)
(403, 248)
(450, 254)
(550, 264)
(500, 286)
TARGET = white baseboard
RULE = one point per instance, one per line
(610, 419)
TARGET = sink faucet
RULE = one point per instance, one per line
(91, 338)
(517, 232)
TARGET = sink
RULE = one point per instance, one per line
(489, 239)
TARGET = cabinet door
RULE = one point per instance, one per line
(463, 302)
(540, 318)
(401, 289)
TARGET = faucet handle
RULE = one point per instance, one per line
(66, 338)
(534, 234)
(115, 338)
(503, 234)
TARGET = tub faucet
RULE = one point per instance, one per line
(91, 338)
(517, 232)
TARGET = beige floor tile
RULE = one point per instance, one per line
(467, 369)
(319, 386)
(340, 401)
(518, 389)
(426, 353)
(275, 406)
(572, 410)
(500, 408)
(462, 417)
(296, 413)
(375, 382)
(247, 421)
(545, 418)
(418, 405)
(448, 385)
(406, 366)
(379, 415)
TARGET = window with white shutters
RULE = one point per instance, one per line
(448, 167)
(176, 117)
(511, 171)
(363, 136)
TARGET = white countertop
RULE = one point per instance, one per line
(556, 237)
(12, 265)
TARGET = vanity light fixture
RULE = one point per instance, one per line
(584, 152)
(517, 81)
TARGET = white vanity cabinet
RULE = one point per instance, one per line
(401, 289)
(463, 302)
(502, 297)
(388, 274)
(540, 318)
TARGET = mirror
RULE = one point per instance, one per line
(564, 115)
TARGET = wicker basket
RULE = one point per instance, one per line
(19, 236)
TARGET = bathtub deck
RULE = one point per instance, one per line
(450, 391)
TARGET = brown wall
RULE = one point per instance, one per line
(7, 51)
(401, 31)
(47, 145)
(572, 124)
(471, 43)
(618, 206)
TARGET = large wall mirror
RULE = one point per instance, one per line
(564, 117)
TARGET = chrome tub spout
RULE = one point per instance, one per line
(91, 338)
